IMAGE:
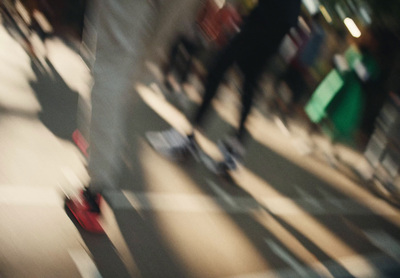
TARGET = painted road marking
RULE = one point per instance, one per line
(277, 205)
(48, 196)
(358, 265)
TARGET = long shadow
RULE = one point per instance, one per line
(273, 168)
(333, 267)
(147, 243)
(142, 232)
(276, 175)
(106, 258)
(151, 253)
(152, 257)
(58, 101)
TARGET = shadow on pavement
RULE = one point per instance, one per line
(143, 233)
(284, 176)
(58, 102)
(102, 251)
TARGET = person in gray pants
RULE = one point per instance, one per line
(122, 30)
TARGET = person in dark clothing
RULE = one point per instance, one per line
(259, 39)
(212, 30)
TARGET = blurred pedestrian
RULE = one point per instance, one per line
(122, 31)
(259, 39)
(212, 29)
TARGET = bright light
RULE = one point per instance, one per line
(325, 13)
(311, 5)
(352, 27)
(220, 3)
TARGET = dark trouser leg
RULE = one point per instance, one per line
(189, 51)
(249, 89)
(217, 72)
(181, 57)
(173, 56)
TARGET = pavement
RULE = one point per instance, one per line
(284, 213)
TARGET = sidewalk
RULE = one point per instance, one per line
(284, 215)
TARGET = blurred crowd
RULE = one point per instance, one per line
(335, 69)
(307, 55)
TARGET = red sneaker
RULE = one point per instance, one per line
(85, 210)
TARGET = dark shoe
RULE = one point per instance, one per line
(85, 209)
(232, 151)
(171, 143)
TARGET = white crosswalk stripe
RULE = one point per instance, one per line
(48, 196)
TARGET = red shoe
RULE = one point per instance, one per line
(85, 210)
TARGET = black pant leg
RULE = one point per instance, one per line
(249, 90)
(215, 75)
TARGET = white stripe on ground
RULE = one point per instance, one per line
(84, 263)
(46, 196)
(277, 205)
